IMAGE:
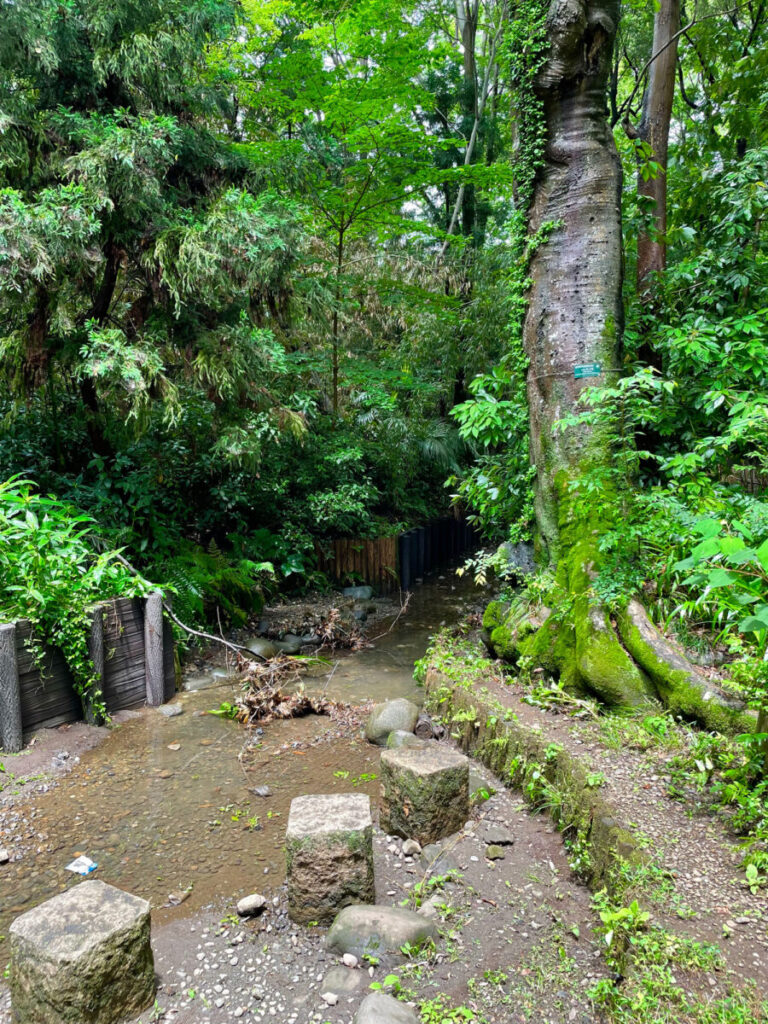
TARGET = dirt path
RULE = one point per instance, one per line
(509, 949)
(704, 895)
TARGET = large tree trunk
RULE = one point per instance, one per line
(575, 310)
(654, 130)
(574, 317)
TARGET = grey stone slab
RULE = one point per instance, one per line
(424, 792)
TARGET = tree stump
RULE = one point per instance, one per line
(424, 792)
(329, 855)
(82, 957)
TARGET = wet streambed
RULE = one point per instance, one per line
(169, 808)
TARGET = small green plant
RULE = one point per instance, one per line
(439, 1011)
(390, 983)
(225, 710)
(755, 878)
(620, 928)
(482, 793)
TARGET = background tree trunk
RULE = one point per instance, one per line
(654, 129)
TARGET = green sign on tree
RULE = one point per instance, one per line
(587, 370)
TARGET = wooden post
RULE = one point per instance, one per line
(11, 737)
(96, 654)
(153, 649)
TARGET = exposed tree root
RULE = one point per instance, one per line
(626, 666)
(681, 687)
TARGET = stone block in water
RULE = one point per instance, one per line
(329, 855)
(82, 957)
(424, 792)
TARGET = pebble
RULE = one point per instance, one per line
(4, 856)
(251, 905)
(350, 960)
(330, 998)
(411, 848)
(171, 710)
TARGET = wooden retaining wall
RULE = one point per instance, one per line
(131, 645)
(371, 561)
(391, 563)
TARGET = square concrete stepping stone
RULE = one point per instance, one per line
(82, 957)
(424, 792)
(329, 855)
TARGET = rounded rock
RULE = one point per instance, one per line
(392, 715)
(251, 905)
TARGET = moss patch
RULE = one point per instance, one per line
(550, 778)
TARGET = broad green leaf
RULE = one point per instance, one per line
(707, 527)
(753, 624)
(719, 578)
(742, 528)
(730, 544)
(762, 554)
(707, 548)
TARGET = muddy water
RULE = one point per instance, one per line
(166, 806)
(386, 670)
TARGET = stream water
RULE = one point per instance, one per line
(168, 808)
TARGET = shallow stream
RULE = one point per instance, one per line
(168, 808)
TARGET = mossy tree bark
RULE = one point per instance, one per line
(574, 317)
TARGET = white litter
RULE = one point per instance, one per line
(82, 866)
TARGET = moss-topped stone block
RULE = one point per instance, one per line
(82, 957)
(329, 855)
(424, 792)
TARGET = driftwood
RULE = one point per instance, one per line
(270, 702)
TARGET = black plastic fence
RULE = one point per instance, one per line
(432, 546)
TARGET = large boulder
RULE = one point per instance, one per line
(329, 855)
(424, 792)
(82, 957)
(377, 931)
(379, 1008)
(392, 715)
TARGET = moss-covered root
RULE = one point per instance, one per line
(682, 689)
(578, 647)
(603, 665)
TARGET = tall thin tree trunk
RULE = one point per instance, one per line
(335, 324)
(654, 129)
